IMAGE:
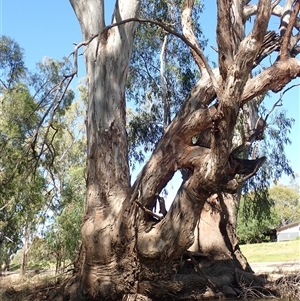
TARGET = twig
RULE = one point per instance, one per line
(146, 210)
(279, 101)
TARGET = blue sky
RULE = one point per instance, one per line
(49, 28)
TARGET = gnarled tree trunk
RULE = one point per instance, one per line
(127, 251)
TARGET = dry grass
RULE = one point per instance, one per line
(288, 287)
(285, 288)
(29, 288)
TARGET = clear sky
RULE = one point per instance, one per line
(49, 28)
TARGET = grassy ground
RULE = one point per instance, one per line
(272, 251)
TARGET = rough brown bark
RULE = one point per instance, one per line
(126, 251)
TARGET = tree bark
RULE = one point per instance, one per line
(105, 242)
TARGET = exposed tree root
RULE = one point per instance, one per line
(194, 279)
(197, 280)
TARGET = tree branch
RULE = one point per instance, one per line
(189, 34)
(287, 33)
(251, 45)
(157, 23)
(285, 71)
(277, 10)
(279, 101)
(224, 37)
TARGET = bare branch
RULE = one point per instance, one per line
(274, 4)
(285, 16)
(251, 45)
(146, 210)
(277, 10)
(260, 162)
(278, 103)
(5, 205)
(52, 108)
(3, 83)
(238, 23)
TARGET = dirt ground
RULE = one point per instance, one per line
(36, 284)
(276, 269)
(273, 271)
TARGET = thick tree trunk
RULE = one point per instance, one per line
(127, 251)
(108, 264)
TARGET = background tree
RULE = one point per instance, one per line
(63, 236)
(11, 63)
(158, 79)
(31, 187)
(286, 204)
(254, 222)
(21, 193)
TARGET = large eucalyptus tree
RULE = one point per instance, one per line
(127, 250)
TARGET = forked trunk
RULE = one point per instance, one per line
(127, 250)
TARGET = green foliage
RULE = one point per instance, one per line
(21, 192)
(40, 172)
(146, 119)
(11, 63)
(253, 224)
(273, 145)
(280, 206)
(39, 257)
(63, 239)
(45, 79)
(257, 203)
(286, 206)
